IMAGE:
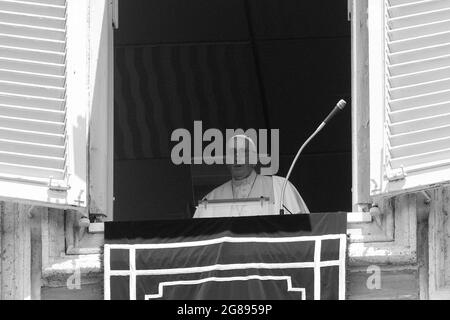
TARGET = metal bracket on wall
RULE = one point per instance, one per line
(78, 238)
(58, 185)
(30, 211)
(427, 196)
(377, 215)
(395, 174)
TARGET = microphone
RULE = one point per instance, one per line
(339, 107)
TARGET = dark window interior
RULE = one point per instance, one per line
(231, 64)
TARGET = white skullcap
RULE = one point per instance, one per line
(240, 143)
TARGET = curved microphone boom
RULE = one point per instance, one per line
(339, 106)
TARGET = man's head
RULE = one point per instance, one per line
(242, 151)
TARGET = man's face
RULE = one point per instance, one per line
(241, 167)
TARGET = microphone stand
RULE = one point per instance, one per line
(339, 106)
(293, 164)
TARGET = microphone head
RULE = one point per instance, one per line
(341, 104)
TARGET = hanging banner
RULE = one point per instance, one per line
(268, 257)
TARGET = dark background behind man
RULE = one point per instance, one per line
(232, 64)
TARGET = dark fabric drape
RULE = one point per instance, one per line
(269, 257)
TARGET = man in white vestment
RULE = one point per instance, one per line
(245, 183)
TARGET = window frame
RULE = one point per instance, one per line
(380, 184)
(374, 228)
(70, 193)
(103, 18)
(90, 30)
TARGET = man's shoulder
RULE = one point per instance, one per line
(279, 181)
(278, 178)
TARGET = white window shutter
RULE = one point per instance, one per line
(409, 44)
(43, 102)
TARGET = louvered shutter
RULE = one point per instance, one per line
(43, 101)
(410, 104)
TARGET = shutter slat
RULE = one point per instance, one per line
(31, 125)
(32, 66)
(31, 31)
(50, 2)
(32, 160)
(425, 147)
(420, 112)
(31, 113)
(420, 54)
(32, 148)
(419, 31)
(421, 135)
(420, 100)
(420, 124)
(32, 136)
(32, 90)
(423, 88)
(32, 55)
(32, 102)
(419, 19)
(419, 66)
(419, 42)
(417, 8)
(421, 159)
(32, 20)
(419, 77)
(23, 171)
(32, 78)
(35, 8)
(32, 43)
(399, 2)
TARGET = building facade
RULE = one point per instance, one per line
(56, 148)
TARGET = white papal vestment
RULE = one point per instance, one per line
(254, 186)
